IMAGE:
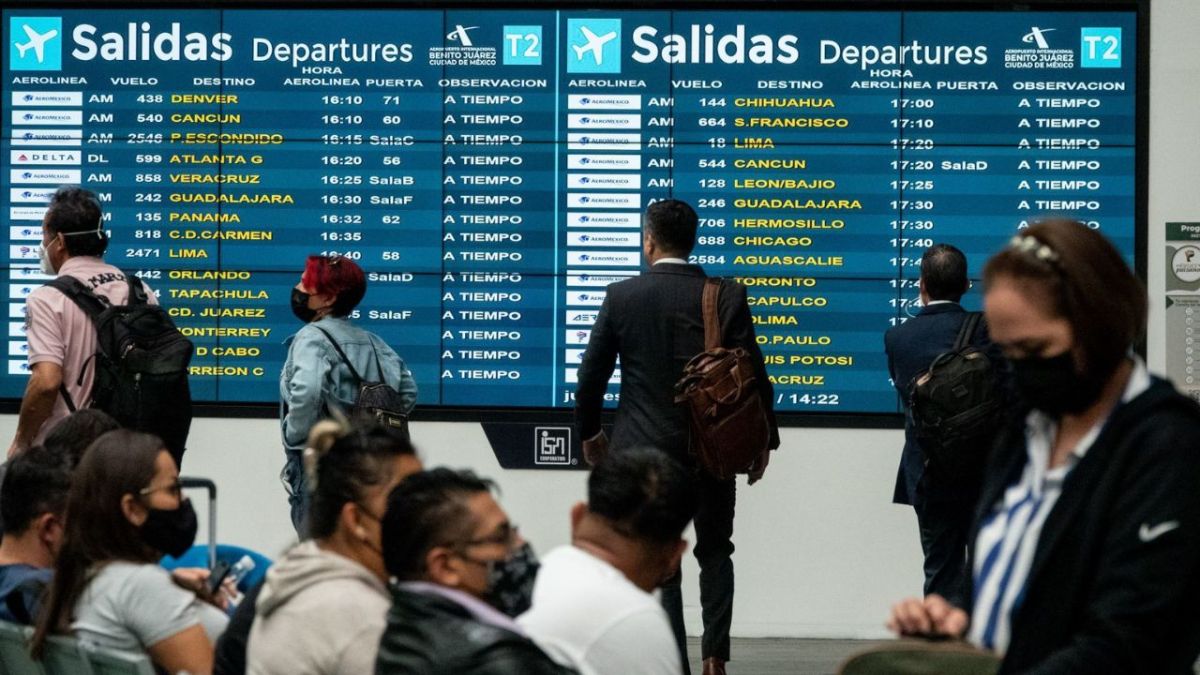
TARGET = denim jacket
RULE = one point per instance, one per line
(314, 375)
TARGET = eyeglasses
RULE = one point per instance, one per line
(175, 488)
(506, 535)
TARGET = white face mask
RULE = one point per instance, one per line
(44, 260)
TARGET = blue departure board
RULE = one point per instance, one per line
(488, 167)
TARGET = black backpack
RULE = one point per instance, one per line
(377, 399)
(956, 405)
(141, 363)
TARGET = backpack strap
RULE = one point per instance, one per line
(378, 361)
(708, 304)
(137, 291)
(966, 332)
(341, 353)
(91, 304)
(62, 389)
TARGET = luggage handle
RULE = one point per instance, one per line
(192, 483)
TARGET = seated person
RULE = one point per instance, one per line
(324, 604)
(1087, 535)
(32, 501)
(592, 603)
(229, 657)
(125, 511)
(446, 541)
(73, 434)
(70, 437)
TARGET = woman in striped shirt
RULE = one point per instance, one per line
(1086, 545)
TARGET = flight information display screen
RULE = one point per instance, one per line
(487, 167)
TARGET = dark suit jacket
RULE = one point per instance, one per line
(654, 322)
(1110, 591)
(911, 347)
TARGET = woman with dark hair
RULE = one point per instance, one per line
(125, 512)
(1086, 544)
(323, 357)
(324, 604)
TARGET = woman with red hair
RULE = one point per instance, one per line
(323, 358)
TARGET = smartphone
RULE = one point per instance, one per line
(217, 576)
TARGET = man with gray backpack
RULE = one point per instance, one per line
(947, 379)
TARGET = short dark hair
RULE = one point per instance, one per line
(36, 483)
(429, 509)
(75, 213)
(1084, 279)
(944, 272)
(72, 435)
(644, 493)
(347, 462)
(672, 225)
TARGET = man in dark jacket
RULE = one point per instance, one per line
(448, 543)
(655, 324)
(944, 507)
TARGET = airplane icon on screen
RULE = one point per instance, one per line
(37, 41)
(595, 44)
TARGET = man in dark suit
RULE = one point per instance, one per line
(654, 322)
(944, 507)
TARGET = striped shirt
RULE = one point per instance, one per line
(1008, 536)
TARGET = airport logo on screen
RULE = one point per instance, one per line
(461, 49)
(36, 43)
(593, 45)
(1045, 50)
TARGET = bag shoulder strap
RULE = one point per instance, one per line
(91, 304)
(708, 304)
(966, 332)
(137, 291)
(371, 337)
(341, 353)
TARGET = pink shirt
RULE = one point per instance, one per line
(59, 332)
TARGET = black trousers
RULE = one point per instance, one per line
(945, 527)
(714, 551)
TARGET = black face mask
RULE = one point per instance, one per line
(510, 582)
(300, 306)
(1051, 384)
(171, 531)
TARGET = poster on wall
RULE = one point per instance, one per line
(1183, 306)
